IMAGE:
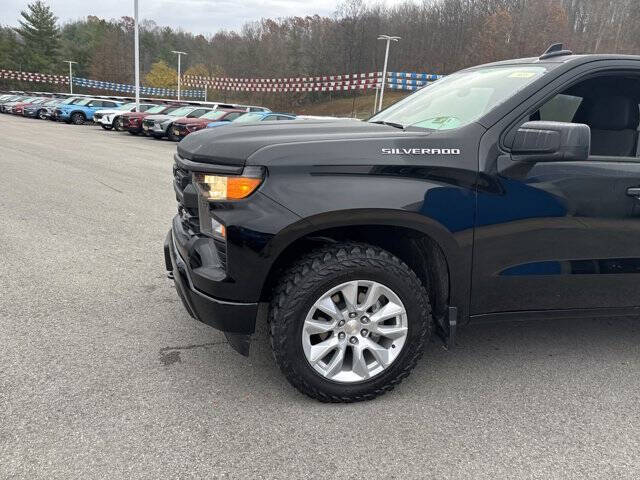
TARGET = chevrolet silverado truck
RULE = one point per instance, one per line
(507, 191)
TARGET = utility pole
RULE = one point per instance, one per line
(179, 57)
(384, 69)
(70, 74)
(136, 43)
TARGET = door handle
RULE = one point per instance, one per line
(633, 192)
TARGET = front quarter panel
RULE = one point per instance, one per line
(386, 181)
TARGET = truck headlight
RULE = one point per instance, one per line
(232, 187)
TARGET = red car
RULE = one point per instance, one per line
(18, 108)
(132, 121)
(184, 126)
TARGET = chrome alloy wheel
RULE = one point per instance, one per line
(354, 331)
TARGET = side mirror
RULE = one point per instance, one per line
(541, 141)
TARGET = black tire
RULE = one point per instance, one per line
(117, 124)
(157, 136)
(41, 115)
(78, 118)
(315, 274)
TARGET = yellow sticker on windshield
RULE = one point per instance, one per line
(522, 74)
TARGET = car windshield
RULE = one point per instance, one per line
(214, 115)
(84, 101)
(249, 117)
(157, 109)
(126, 106)
(181, 112)
(51, 102)
(459, 99)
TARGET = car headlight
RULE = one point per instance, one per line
(232, 187)
(213, 188)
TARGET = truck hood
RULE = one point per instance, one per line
(237, 142)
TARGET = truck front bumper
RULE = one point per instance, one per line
(236, 320)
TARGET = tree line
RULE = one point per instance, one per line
(438, 36)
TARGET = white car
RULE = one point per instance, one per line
(108, 118)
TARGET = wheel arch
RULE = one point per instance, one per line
(422, 243)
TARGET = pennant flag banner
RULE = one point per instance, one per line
(126, 88)
(327, 83)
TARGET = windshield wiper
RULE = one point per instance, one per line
(390, 124)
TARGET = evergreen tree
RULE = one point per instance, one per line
(40, 38)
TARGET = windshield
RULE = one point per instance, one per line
(460, 98)
(126, 106)
(84, 101)
(157, 109)
(214, 115)
(249, 117)
(181, 112)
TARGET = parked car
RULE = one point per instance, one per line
(159, 126)
(7, 105)
(184, 126)
(506, 191)
(132, 122)
(109, 118)
(252, 117)
(83, 110)
(48, 111)
(34, 110)
(18, 109)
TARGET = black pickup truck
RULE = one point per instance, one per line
(507, 191)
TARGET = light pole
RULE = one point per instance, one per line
(136, 43)
(179, 57)
(384, 69)
(70, 75)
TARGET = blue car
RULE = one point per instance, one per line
(78, 113)
(255, 117)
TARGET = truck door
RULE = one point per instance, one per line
(566, 235)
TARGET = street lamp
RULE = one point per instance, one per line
(179, 56)
(136, 43)
(70, 75)
(384, 70)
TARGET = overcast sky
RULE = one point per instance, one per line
(198, 16)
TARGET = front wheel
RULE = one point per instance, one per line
(77, 119)
(42, 115)
(349, 322)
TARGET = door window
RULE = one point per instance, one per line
(561, 108)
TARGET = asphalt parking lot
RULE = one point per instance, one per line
(104, 375)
